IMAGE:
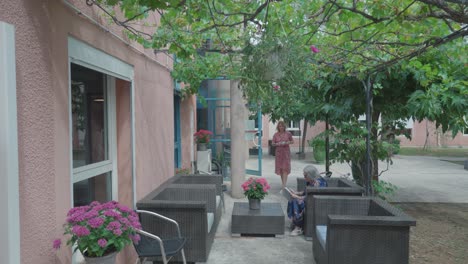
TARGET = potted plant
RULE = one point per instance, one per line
(318, 146)
(255, 189)
(202, 138)
(100, 231)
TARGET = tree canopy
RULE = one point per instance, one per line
(291, 54)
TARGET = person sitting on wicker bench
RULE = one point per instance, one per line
(296, 206)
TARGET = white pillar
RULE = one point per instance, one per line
(237, 140)
(9, 173)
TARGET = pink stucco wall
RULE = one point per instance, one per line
(435, 137)
(187, 113)
(124, 153)
(312, 132)
(42, 28)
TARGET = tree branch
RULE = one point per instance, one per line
(248, 18)
(457, 34)
(360, 12)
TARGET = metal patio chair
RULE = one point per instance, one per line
(153, 247)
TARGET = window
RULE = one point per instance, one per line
(256, 120)
(92, 119)
(93, 137)
(362, 119)
(293, 127)
(408, 130)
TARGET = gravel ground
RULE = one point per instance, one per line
(441, 232)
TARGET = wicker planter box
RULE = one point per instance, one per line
(359, 230)
(336, 186)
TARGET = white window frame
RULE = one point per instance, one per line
(9, 170)
(290, 126)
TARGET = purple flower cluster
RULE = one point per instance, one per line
(80, 231)
(98, 223)
(113, 225)
(102, 242)
(57, 243)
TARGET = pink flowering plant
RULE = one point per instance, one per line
(202, 136)
(255, 188)
(99, 229)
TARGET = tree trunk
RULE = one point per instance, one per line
(427, 136)
(304, 133)
(374, 136)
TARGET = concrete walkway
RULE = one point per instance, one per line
(419, 179)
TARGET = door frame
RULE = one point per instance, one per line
(10, 246)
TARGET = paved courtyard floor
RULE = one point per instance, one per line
(419, 179)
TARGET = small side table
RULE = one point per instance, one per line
(269, 220)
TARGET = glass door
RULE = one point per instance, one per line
(213, 114)
(253, 136)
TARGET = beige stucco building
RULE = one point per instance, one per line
(87, 116)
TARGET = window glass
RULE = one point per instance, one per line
(293, 128)
(97, 188)
(89, 126)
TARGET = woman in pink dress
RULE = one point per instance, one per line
(281, 140)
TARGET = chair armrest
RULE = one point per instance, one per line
(369, 220)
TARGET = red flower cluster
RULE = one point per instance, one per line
(202, 136)
(314, 49)
(255, 188)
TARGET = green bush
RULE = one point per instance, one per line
(396, 146)
(318, 146)
(383, 189)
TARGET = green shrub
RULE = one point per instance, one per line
(318, 146)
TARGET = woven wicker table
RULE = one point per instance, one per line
(269, 220)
